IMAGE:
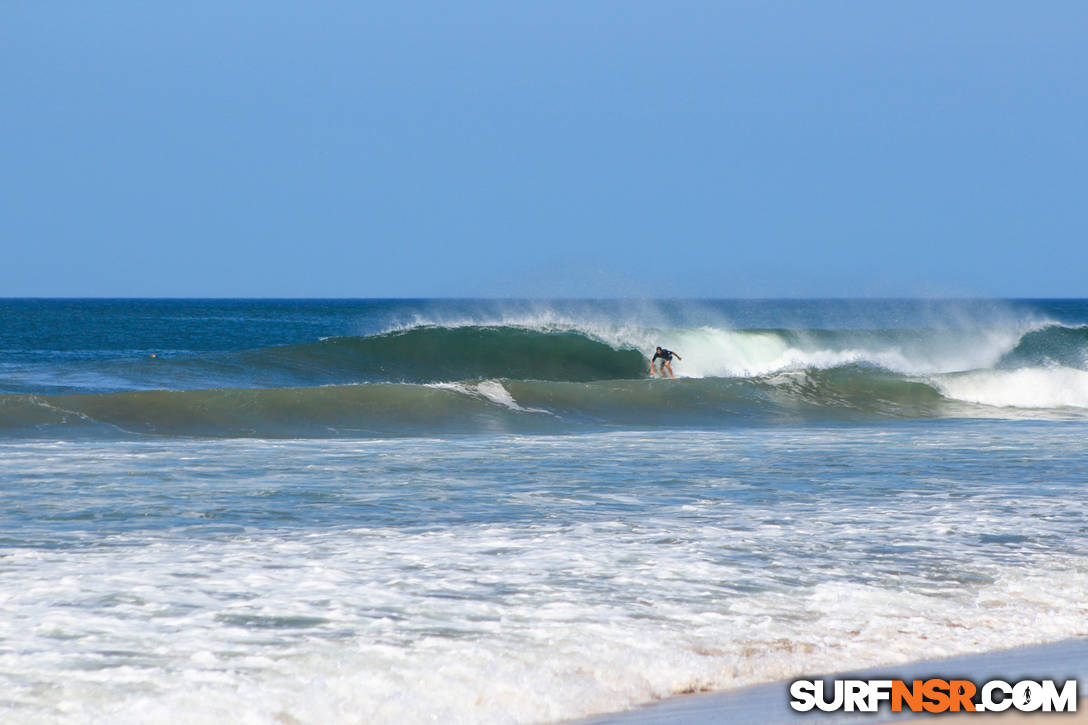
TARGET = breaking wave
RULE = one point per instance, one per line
(430, 379)
(427, 353)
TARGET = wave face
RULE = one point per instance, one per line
(432, 353)
(537, 372)
(1052, 345)
(423, 354)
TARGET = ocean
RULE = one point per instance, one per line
(457, 511)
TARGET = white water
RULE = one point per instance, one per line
(491, 390)
(722, 351)
(413, 628)
(524, 580)
(711, 352)
(958, 362)
(1037, 387)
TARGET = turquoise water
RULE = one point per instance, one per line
(357, 512)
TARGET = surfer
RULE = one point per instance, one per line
(666, 361)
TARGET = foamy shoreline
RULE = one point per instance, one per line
(768, 703)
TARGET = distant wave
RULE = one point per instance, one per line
(846, 393)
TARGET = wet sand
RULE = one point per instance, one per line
(768, 704)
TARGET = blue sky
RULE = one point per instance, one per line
(628, 148)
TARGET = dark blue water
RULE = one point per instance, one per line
(126, 325)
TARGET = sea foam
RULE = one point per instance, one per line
(518, 580)
(1036, 387)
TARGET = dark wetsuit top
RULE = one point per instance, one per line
(665, 355)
